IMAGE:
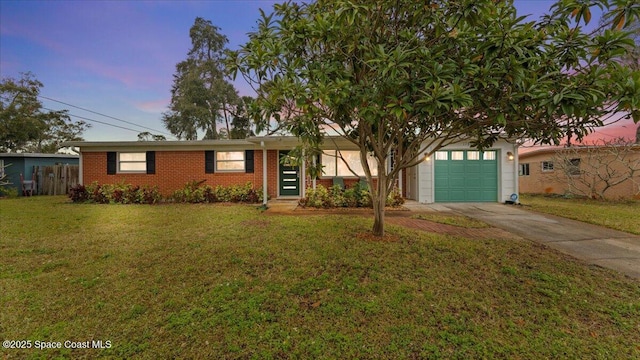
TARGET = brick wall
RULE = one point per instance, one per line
(554, 182)
(175, 168)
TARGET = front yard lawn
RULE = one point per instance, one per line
(619, 215)
(228, 281)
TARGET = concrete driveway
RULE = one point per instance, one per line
(594, 244)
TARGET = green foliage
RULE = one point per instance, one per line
(193, 192)
(114, 194)
(197, 192)
(201, 96)
(8, 191)
(25, 125)
(452, 219)
(381, 79)
(147, 136)
(318, 198)
(355, 196)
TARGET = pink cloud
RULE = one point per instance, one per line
(153, 106)
(623, 128)
(139, 77)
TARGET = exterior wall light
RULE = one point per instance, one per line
(427, 157)
(510, 156)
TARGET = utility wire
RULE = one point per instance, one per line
(97, 121)
(107, 116)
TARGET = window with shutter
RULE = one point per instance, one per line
(151, 162)
(209, 162)
(248, 161)
(112, 162)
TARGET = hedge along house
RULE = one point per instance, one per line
(456, 173)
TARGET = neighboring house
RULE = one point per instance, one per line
(581, 170)
(22, 163)
(455, 173)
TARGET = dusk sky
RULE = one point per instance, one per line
(118, 57)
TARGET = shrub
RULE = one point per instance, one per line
(192, 192)
(336, 196)
(115, 194)
(351, 197)
(318, 197)
(395, 199)
(195, 192)
(78, 193)
(8, 191)
(94, 191)
(149, 195)
(356, 196)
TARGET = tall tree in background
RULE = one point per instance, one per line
(25, 126)
(241, 125)
(201, 96)
(414, 76)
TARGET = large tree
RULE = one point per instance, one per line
(414, 76)
(202, 97)
(25, 126)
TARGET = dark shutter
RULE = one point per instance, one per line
(248, 161)
(112, 162)
(151, 162)
(209, 162)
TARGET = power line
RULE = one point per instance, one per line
(97, 121)
(107, 116)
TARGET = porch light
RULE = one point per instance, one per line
(427, 157)
(510, 155)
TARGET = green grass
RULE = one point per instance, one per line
(451, 219)
(219, 281)
(619, 215)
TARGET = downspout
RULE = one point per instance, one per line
(303, 174)
(313, 180)
(264, 174)
(400, 182)
(80, 168)
(516, 164)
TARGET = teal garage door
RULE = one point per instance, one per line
(466, 176)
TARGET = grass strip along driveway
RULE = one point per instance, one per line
(227, 281)
(619, 215)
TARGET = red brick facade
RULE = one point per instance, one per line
(175, 168)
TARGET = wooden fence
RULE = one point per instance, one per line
(56, 179)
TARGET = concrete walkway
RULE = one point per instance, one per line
(605, 247)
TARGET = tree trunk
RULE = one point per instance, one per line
(379, 200)
(378, 213)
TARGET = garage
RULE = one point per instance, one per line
(466, 176)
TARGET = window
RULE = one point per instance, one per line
(473, 155)
(442, 155)
(230, 160)
(524, 169)
(132, 162)
(334, 166)
(457, 155)
(547, 166)
(573, 167)
(489, 155)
